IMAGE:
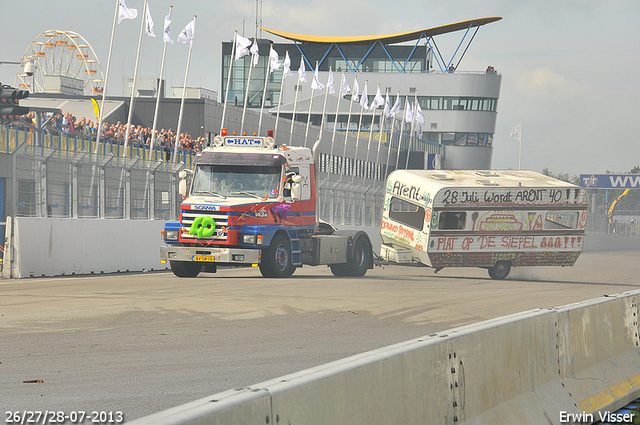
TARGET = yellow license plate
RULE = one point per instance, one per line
(207, 258)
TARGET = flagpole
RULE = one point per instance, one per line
(335, 121)
(246, 96)
(275, 130)
(413, 119)
(226, 93)
(106, 79)
(373, 118)
(520, 150)
(100, 118)
(346, 133)
(184, 89)
(406, 105)
(295, 102)
(135, 77)
(393, 126)
(264, 90)
(324, 107)
(382, 118)
(155, 115)
(355, 155)
(306, 132)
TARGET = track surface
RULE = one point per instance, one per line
(141, 343)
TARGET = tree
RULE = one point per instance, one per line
(562, 176)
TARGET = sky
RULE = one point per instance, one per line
(569, 67)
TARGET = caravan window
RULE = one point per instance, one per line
(406, 213)
(452, 220)
(561, 220)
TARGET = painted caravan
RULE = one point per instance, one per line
(489, 219)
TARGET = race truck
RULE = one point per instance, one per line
(252, 203)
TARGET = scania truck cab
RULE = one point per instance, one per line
(251, 202)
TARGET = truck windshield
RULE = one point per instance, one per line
(234, 180)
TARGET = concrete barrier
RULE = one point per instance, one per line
(560, 365)
(598, 352)
(64, 246)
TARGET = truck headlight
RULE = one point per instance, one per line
(248, 239)
(171, 235)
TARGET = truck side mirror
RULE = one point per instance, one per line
(182, 186)
(296, 190)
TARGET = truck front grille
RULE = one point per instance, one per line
(221, 219)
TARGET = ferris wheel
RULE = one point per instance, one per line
(55, 54)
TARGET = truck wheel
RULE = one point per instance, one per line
(185, 268)
(358, 264)
(276, 260)
(500, 270)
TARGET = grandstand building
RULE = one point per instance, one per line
(459, 106)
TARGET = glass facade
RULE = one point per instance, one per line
(240, 76)
(434, 103)
(339, 58)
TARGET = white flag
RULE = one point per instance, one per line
(516, 132)
(302, 72)
(187, 33)
(316, 84)
(167, 37)
(242, 46)
(387, 110)
(364, 100)
(286, 70)
(148, 29)
(396, 107)
(330, 87)
(356, 89)
(124, 12)
(378, 100)
(408, 115)
(344, 88)
(419, 118)
(274, 60)
(418, 112)
(254, 52)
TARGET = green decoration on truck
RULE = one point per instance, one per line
(203, 227)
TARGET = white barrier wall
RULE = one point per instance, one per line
(561, 365)
(598, 343)
(64, 246)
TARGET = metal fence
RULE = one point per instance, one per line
(624, 223)
(48, 182)
(12, 136)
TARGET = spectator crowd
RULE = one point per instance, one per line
(115, 133)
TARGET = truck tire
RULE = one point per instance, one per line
(500, 270)
(276, 260)
(185, 268)
(357, 265)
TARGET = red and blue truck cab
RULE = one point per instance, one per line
(251, 203)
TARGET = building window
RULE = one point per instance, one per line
(561, 220)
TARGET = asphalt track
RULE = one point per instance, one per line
(141, 343)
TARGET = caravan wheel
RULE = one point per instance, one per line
(500, 270)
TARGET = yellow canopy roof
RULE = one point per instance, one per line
(384, 39)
